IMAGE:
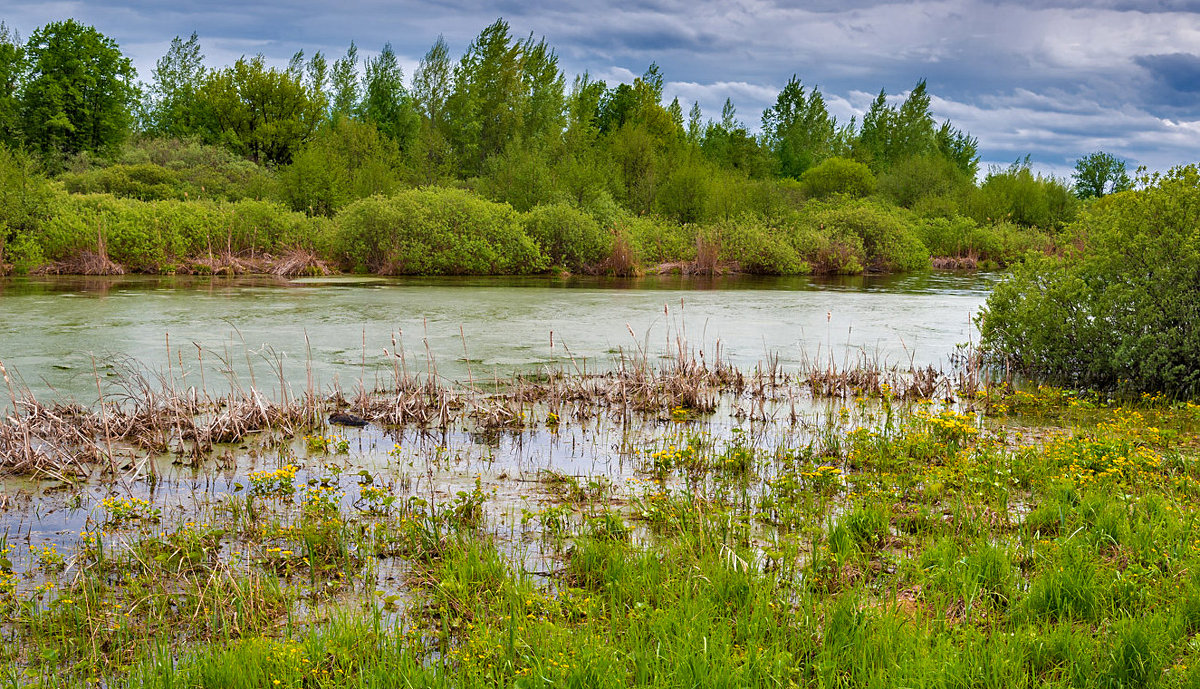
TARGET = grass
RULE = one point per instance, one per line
(1016, 537)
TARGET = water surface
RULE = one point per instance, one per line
(52, 329)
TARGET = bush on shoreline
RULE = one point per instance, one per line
(165, 206)
(1120, 312)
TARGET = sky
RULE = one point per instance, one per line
(1054, 79)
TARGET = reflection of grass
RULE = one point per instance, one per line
(905, 545)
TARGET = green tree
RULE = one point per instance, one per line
(432, 83)
(385, 100)
(177, 77)
(346, 160)
(343, 83)
(545, 104)
(583, 104)
(12, 71)
(262, 113)
(432, 155)
(1017, 194)
(79, 91)
(799, 130)
(1098, 174)
(891, 134)
(960, 148)
(487, 106)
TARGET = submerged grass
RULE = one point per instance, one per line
(1013, 537)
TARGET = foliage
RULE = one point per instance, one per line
(999, 243)
(186, 169)
(1119, 313)
(887, 235)
(435, 232)
(1098, 174)
(12, 69)
(838, 176)
(25, 204)
(345, 161)
(1018, 195)
(915, 179)
(262, 113)
(79, 92)
(177, 77)
(385, 101)
(799, 130)
(159, 236)
(567, 236)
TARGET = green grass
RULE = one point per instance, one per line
(926, 547)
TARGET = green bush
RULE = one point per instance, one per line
(1121, 312)
(26, 201)
(155, 236)
(568, 236)
(1015, 194)
(160, 169)
(758, 249)
(144, 181)
(436, 231)
(519, 176)
(838, 176)
(888, 236)
(1002, 242)
(655, 240)
(920, 179)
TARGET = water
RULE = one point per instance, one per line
(52, 329)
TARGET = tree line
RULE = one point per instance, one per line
(503, 122)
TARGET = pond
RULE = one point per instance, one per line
(52, 330)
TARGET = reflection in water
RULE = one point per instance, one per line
(50, 328)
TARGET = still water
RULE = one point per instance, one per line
(52, 329)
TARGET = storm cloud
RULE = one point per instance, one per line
(1055, 80)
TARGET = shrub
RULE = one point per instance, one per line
(161, 168)
(655, 240)
(26, 200)
(1119, 313)
(889, 240)
(918, 178)
(436, 231)
(1001, 242)
(1016, 194)
(153, 236)
(567, 236)
(838, 176)
(758, 249)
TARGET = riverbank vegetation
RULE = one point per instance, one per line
(211, 169)
(1117, 311)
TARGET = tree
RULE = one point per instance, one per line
(432, 83)
(346, 160)
(385, 100)
(487, 105)
(79, 91)
(583, 104)
(545, 103)
(12, 71)
(960, 148)
(344, 83)
(1121, 312)
(1098, 174)
(264, 114)
(798, 130)
(177, 77)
